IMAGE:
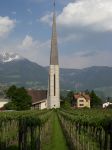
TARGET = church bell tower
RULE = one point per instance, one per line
(53, 98)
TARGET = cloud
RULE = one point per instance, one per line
(34, 50)
(89, 54)
(39, 52)
(71, 37)
(6, 26)
(77, 60)
(47, 18)
(29, 43)
(94, 14)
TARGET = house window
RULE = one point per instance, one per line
(81, 100)
(81, 105)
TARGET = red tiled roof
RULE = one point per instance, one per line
(82, 95)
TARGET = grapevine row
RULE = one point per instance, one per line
(24, 130)
(87, 129)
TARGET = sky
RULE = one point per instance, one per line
(84, 29)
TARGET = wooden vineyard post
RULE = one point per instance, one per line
(32, 138)
(20, 135)
(106, 140)
(110, 132)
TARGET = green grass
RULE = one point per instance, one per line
(12, 148)
(58, 141)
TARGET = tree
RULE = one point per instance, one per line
(66, 105)
(67, 99)
(20, 100)
(109, 99)
(11, 91)
(70, 96)
(87, 91)
(10, 106)
(95, 100)
(109, 107)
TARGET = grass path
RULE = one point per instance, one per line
(58, 141)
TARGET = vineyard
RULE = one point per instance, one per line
(24, 130)
(61, 129)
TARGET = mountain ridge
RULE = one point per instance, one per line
(23, 72)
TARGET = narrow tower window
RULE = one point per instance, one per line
(49, 85)
(54, 85)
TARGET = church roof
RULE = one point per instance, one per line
(37, 95)
(54, 47)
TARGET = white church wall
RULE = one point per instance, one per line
(43, 105)
(54, 100)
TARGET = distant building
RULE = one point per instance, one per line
(3, 101)
(39, 98)
(107, 104)
(81, 100)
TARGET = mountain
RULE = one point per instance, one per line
(15, 69)
(87, 78)
(8, 57)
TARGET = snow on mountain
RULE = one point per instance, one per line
(8, 57)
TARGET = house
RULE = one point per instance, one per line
(81, 100)
(39, 98)
(107, 104)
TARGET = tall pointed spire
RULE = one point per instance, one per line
(54, 4)
(53, 100)
(54, 47)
